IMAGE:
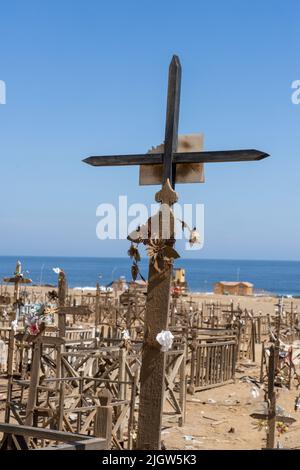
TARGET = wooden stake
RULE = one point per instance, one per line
(34, 381)
(271, 401)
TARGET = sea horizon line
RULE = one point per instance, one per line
(145, 258)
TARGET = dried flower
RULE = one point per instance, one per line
(160, 253)
(133, 252)
(134, 271)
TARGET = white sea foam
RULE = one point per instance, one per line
(85, 288)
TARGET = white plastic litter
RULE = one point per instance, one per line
(254, 392)
(189, 438)
(165, 339)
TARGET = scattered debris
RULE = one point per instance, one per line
(209, 417)
(188, 438)
(254, 392)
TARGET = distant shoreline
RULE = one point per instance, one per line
(273, 278)
(249, 260)
(209, 294)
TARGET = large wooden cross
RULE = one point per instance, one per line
(159, 283)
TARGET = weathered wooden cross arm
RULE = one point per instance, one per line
(221, 156)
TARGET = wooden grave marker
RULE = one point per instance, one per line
(17, 280)
(271, 417)
(159, 283)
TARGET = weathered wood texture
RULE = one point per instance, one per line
(153, 360)
(17, 436)
(271, 401)
(221, 156)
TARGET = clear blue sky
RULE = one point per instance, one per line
(90, 77)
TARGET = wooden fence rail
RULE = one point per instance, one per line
(19, 437)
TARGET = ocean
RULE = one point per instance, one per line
(275, 277)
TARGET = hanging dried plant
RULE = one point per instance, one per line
(133, 252)
(134, 271)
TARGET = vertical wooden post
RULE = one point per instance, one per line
(191, 388)
(10, 352)
(259, 329)
(253, 339)
(8, 399)
(121, 394)
(290, 356)
(153, 360)
(239, 338)
(268, 321)
(81, 373)
(60, 374)
(97, 304)
(277, 342)
(183, 384)
(103, 419)
(173, 312)
(61, 400)
(62, 294)
(261, 376)
(34, 381)
(132, 410)
(271, 401)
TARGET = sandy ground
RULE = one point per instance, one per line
(226, 423)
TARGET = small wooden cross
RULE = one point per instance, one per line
(271, 417)
(159, 283)
(17, 280)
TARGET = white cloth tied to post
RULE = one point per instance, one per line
(125, 335)
(165, 339)
(56, 270)
(14, 325)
